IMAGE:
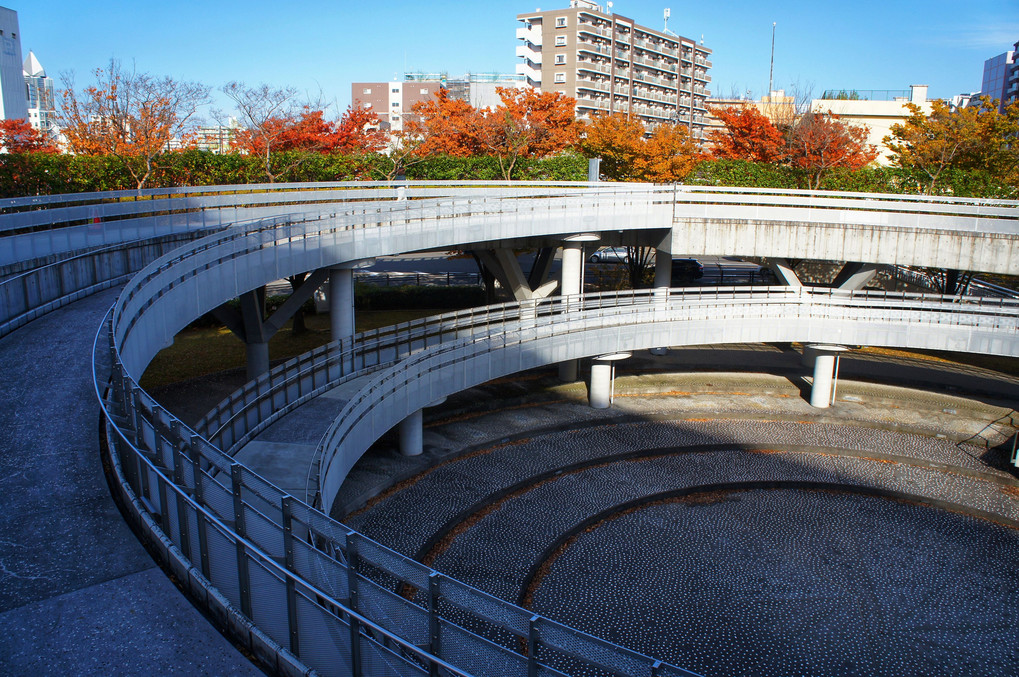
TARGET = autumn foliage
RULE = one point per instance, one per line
(18, 136)
(527, 124)
(133, 116)
(820, 142)
(977, 137)
(748, 135)
(356, 132)
(628, 154)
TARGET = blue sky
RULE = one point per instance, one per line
(321, 47)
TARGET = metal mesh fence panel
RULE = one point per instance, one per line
(381, 661)
(556, 638)
(405, 569)
(268, 602)
(473, 654)
(325, 639)
(478, 603)
(260, 530)
(320, 570)
(403, 618)
(223, 566)
(216, 497)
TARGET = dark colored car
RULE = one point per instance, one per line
(685, 271)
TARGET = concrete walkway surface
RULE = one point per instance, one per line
(79, 595)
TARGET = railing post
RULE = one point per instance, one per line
(286, 506)
(355, 625)
(434, 639)
(532, 646)
(196, 473)
(243, 581)
(183, 523)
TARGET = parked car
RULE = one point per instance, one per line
(610, 255)
(686, 270)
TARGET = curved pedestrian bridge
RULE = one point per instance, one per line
(322, 596)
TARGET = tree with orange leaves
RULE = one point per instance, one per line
(618, 140)
(358, 131)
(748, 135)
(528, 124)
(130, 115)
(820, 142)
(669, 155)
(18, 136)
(446, 126)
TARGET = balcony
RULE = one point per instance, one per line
(531, 35)
(530, 54)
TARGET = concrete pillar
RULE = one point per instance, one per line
(412, 435)
(573, 268)
(663, 280)
(824, 373)
(571, 284)
(663, 269)
(600, 390)
(600, 394)
(257, 359)
(341, 303)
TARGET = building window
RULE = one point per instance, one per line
(560, 22)
(396, 104)
(560, 41)
(560, 59)
(366, 90)
(367, 105)
(424, 92)
(560, 78)
(395, 90)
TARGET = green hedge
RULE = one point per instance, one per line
(39, 174)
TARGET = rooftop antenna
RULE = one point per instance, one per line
(771, 71)
(668, 13)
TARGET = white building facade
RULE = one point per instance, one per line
(877, 110)
(42, 103)
(13, 102)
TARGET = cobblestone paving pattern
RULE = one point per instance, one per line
(405, 520)
(496, 553)
(786, 582)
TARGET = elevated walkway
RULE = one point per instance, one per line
(79, 595)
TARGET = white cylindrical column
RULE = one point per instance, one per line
(573, 262)
(571, 280)
(341, 303)
(824, 373)
(257, 359)
(412, 435)
(600, 389)
(600, 394)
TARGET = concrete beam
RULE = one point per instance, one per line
(855, 276)
(784, 272)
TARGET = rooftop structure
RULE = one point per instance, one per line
(878, 110)
(477, 89)
(42, 106)
(611, 64)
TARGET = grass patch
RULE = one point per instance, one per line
(201, 351)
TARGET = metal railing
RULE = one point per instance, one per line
(307, 592)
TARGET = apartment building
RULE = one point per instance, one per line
(392, 101)
(611, 64)
(1001, 78)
